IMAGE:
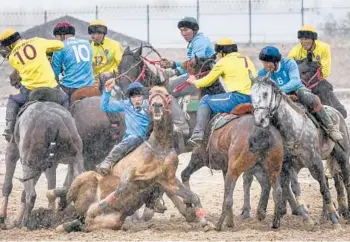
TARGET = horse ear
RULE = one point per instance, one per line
(139, 51)
(252, 78)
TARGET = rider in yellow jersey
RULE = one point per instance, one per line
(107, 53)
(234, 69)
(28, 58)
(313, 48)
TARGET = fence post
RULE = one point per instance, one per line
(96, 12)
(302, 12)
(45, 17)
(250, 20)
(148, 24)
(198, 11)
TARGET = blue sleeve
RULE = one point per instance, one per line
(56, 64)
(262, 72)
(294, 78)
(198, 48)
(179, 68)
(108, 105)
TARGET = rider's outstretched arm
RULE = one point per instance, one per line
(109, 106)
(213, 75)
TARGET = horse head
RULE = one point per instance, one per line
(201, 66)
(133, 66)
(310, 71)
(265, 99)
(160, 104)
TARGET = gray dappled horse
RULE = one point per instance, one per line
(301, 136)
(45, 135)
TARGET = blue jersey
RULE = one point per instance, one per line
(287, 76)
(74, 62)
(199, 46)
(136, 120)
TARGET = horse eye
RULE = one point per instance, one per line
(265, 95)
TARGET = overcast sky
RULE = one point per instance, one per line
(272, 20)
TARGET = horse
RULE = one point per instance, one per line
(310, 73)
(301, 137)
(125, 190)
(45, 135)
(226, 149)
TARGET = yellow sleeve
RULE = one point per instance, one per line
(211, 77)
(293, 53)
(326, 59)
(53, 45)
(118, 53)
(252, 67)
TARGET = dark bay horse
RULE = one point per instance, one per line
(301, 137)
(310, 73)
(45, 135)
(120, 194)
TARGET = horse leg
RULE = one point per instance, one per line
(295, 185)
(175, 187)
(263, 179)
(194, 165)
(11, 157)
(29, 187)
(247, 183)
(317, 172)
(230, 183)
(339, 186)
(50, 174)
(343, 161)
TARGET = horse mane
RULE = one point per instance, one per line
(46, 94)
(159, 89)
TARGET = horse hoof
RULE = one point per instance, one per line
(261, 215)
(337, 227)
(147, 214)
(245, 214)
(276, 224)
(3, 226)
(208, 226)
(309, 224)
(60, 229)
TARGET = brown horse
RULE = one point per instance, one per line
(152, 164)
(227, 149)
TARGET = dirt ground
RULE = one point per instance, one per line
(172, 226)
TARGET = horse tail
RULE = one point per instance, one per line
(51, 135)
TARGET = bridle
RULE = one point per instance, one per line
(271, 111)
(317, 75)
(166, 99)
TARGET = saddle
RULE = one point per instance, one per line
(83, 93)
(221, 119)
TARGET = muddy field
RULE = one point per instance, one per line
(172, 226)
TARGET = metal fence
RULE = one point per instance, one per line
(246, 21)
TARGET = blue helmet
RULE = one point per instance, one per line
(135, 88)
(270, 54)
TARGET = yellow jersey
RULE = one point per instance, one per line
(106, 56)
(28, 57)
(321, 53)
(234, 69)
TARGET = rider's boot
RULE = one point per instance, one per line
(331, 129)
(203, 117)
(116, 154)
(12, 109)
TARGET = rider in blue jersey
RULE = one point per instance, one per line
(198, 45)
(74, 61)
(285, 73)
